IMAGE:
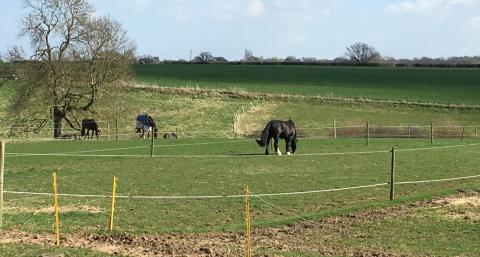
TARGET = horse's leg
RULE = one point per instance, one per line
(288, 143)
(275, 144)
(267, 145)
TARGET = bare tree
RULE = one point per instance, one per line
(204, 57)
(361, 53)
(77, 59)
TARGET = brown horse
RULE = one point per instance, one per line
(89, 125)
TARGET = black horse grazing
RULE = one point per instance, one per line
(89, 125)
(279, 129)
(146, 124)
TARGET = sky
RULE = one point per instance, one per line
(322, 29)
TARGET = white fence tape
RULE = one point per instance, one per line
(435, 180)
(75, 154)
(199, 196)
(192, 197)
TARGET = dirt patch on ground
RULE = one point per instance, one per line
(472, 201)
(463, 208)
(307, 236)
(62, 209)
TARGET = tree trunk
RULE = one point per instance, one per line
(57, 122)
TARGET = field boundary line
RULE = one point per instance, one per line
(105, 150)
(186, 197)
(231, 155)
(187, 156)
(256, 95)
(199, 196)
(435, 147)
(435, 180)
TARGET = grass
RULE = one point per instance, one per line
(409, 230)
(173, 176)
(204, 124)
(200, 116)
(459, 86)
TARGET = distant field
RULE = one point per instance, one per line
(460, 86)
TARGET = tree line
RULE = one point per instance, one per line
(359, 54)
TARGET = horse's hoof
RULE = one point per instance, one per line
(288, 153)
(279, 153)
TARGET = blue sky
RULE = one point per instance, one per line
(279, 28)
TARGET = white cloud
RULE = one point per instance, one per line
(424, 6)
(475, 23)
(254, 8)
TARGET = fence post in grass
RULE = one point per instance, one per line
(392, 175)
(409, 132)
(108, 130)
(112, 209)
(463, 133)
(233, 125)
(116, 128)
(248, 241)
(368, 133)
(2, 170)
(55, 209)
(152, 144)
(476, 133)
(334, 129)
(431, 132)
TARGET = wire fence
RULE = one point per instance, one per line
(118, 130)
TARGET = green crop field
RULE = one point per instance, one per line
(458, 86)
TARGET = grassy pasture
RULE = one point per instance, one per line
(200, 116)
(459, 86)
(180, 169)
(202, 167)
(207, 161)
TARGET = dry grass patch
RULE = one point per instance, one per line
(62, 209)
(249, 123)
(461, 208)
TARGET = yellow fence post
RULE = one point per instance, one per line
(112, 210)
(334, 129)
(55, 209)
(248, 220)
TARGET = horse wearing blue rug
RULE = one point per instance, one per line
(279, 129)
(146, 124)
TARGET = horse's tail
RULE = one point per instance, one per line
(264, 137)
